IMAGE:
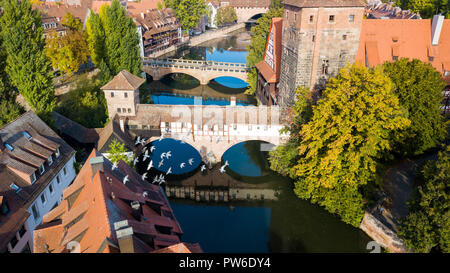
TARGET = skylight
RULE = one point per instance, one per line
(15, 187)
(9, 147)
(26, 134)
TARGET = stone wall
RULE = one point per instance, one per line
(316, 43)
(383, 235)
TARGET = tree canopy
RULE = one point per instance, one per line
(26, 63)
(188, 12)
(225, 15)
(418, 86)
(348, 133)
(69, 51)
(260, 32)
(113, 41)
(117, 152)
(427, 226)
(426, 8)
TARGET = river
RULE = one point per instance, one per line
(256, 209)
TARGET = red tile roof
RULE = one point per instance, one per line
(124, 80)
(381, 39)
(97, 200)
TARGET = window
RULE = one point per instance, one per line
(14, 241)
(43, 200)
(50, 160)
(248, 195)
(314, 38)
(35, 212)
(65, 170)
(344, 37)
(112, 94)
(22, 231)
(311, 18)
(331, 19)
(57, 153)
(58, 180)
(42, 169)
(50, 188)
(295, 17)
(351, 18)
(125, 94)
(33, 178)
(25, 134)
(395, 58)
(324, 67)
(14, 187)
(119, 110)
(9, 147)
(129, 110)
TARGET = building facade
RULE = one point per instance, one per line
(319, 38)
(269, 68)
(36, 165)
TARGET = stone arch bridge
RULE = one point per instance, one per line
(204, 71)
(210, 129)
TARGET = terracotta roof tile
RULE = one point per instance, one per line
(124, 80)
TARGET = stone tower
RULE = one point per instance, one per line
(122, 94)
(319, 38)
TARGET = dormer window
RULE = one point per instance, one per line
(57, 153)
(33, 178)
(41, 169)
(26, 134)
(50, 160)
(15, 187)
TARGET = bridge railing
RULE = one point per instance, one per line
(196, 64)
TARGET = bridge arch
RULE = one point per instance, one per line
(244, 14)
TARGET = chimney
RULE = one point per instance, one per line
(436, 28)
(96, 164)
(233, 101)
(122, 125)
(124, 235)
(137, 211)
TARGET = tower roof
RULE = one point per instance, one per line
(124, 80)
(325, 3)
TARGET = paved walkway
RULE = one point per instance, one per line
(398, 184)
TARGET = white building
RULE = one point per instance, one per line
(36, 165)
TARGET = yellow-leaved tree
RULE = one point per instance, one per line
(341, 145)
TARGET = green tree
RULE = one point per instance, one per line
(85, 104)
(9, 110)
(284, 157)
(260, 32)
(72, 22)
(26, 63)
(427, 226)
(342, 143)
(67, 52)
(6, 90)
(426, 8)
(188, 12)
(113, 41)
(117, 152)
(418, 86)
(225, 15)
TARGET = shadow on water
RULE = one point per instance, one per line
(285, 224)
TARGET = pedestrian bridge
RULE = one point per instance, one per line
(204, 71)
(210, 129)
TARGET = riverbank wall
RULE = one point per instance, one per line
(380, 233)
(196, 40)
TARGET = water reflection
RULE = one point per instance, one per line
(231, 48)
